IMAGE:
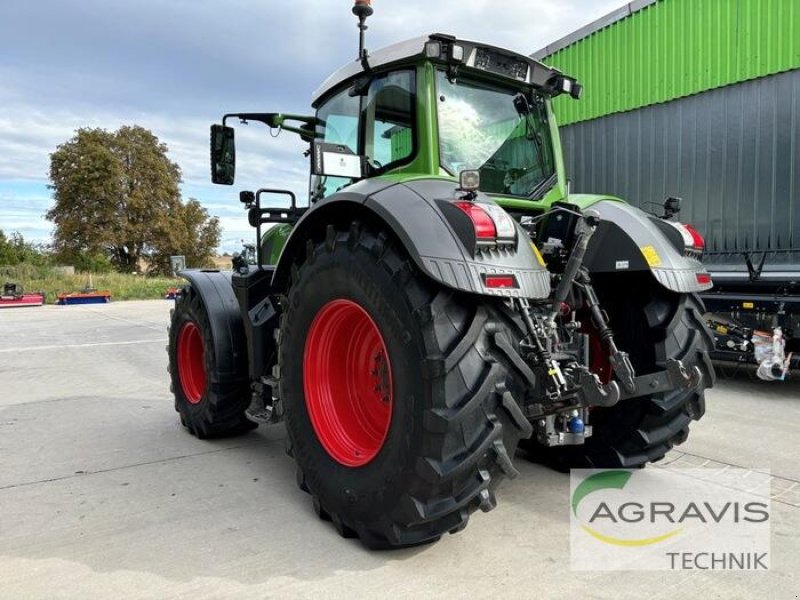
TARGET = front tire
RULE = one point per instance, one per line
(399, 412)
(211, 404)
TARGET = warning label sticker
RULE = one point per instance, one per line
(651, 256)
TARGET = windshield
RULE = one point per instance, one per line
(480, 129)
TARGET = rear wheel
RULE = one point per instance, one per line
(400, 414)
(210, 403)
(652, 324)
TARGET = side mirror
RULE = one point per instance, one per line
(223, 155)
(336, 160)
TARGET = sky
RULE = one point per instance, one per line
(175, 66)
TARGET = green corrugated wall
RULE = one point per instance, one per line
(675, 48)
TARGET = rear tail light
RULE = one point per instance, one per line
(703, 278)
(691, 237)
(500, 281)
(483, 224)
(504, 224)
(491, 223)
(697, 239)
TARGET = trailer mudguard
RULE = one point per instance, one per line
(629, 239)
(225, 318)
(414, 211)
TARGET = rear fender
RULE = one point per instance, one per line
(628, 239)
(413, 212)
(225, 318)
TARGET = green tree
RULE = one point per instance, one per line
(7, 255)
(194, 236)
(14, 250)
(117, 195)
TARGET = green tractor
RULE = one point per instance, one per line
(442, 300)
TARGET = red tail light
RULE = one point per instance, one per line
(500, 281)
(481, 221)
(703, 278)
(692, 239)
(697, 239)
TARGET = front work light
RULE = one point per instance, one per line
(433, 49)
(456, 53)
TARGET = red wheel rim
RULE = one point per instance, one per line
(191, 362)
(347, 380)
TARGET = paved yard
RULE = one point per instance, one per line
(104, 495)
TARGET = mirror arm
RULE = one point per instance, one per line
(273, 120)
(307, 135)
(269, 119)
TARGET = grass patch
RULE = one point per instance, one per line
(123, 286)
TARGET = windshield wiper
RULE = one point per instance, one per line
(544, 187)
(533, 134)
(523, 108)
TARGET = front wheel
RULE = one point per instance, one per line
(400, 414)
(653, 325)
(211, 403)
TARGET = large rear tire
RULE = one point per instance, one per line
(211, 404)
(399, 411)
(652, 324)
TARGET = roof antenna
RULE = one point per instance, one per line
(362, 9)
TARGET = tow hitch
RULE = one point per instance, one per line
(676, 376)
(572, 390)
(572, 427)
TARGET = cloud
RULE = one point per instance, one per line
(174, 67)
(22, 207)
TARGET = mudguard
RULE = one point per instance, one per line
(629, 239)
(225, 318)
(413, 211)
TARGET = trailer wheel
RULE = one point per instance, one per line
(400, 413)
(652, 325)
(211, 404)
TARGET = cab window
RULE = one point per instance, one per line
(338, 125)
(389, 118)
(378, 125)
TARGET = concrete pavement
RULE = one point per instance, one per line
(104, 495)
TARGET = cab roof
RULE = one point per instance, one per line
(476, 55)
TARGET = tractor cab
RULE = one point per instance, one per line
(478, 108)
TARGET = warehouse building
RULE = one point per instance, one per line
(698, 99)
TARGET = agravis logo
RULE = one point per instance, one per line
(662, 518)
(611, 480)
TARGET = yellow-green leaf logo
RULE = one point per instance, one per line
(611, 480)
